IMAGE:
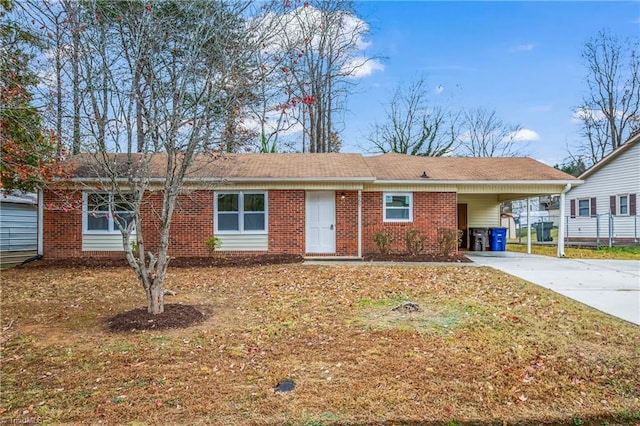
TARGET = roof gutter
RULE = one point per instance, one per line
(480, 182)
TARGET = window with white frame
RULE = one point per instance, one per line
(241, 212)
(584, 207)
(623, 205)
(105, 211)
(398, 207)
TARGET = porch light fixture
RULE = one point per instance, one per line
(424, 175)
(342, 196)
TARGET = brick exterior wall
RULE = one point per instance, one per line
(193, 223)
(431, 211)
(286, 222)
(347, 223)
(62, 224)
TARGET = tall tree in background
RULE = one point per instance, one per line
(413, 126)
(610, 109)
(483, 134)
(316, 51)
(26, 152)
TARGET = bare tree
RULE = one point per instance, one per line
(162, 80)
(413, 126)
(610, 108)
(315, 52)
(483, 134)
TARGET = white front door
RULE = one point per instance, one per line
(321, 222)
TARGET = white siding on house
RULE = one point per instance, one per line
(243, 242)
(103, 242)
(18, 227)
(620, 176)
(483, 211)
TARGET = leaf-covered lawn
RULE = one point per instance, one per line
(485, 347)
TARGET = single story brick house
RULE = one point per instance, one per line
(306, 204)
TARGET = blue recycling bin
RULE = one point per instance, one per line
(498, 239)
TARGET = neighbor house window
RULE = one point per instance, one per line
(584, 207)
(241, 212)
(398, 207)
(623, 204)
(105, 212)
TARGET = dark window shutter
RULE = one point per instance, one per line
(632, 204)
(593, 207)
(612, 204)
(572, 208)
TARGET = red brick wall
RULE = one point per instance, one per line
(347, 223)
(193, 223)
(431, 211)
(286, 222)
(62, 224)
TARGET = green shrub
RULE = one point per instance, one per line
(415, 243)
(449, 240)
(212, 243)
(383, 241)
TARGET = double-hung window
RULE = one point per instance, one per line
(241, 212)
(105, 212)
(584, 207)
(397, 207)
(623, 205)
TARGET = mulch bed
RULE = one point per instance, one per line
(174, 316)
(402, 257)
(233, 261)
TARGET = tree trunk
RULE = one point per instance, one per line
(155, 297)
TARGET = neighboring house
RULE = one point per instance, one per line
(18, 228)
(306, 204)
(605, 206)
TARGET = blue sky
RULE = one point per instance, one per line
(520, 58)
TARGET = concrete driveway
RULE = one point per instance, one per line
(611, 286)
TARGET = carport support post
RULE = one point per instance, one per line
(528, 230)
(563, 221)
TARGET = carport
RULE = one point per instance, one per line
(479, 204)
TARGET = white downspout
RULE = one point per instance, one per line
(40, 220)
(528, 229)
(562, 224)
(360, 223)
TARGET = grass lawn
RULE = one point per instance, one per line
(485, 348)
(620, 253)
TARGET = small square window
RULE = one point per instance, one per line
(398, 207)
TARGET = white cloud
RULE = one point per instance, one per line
(439, 89)
(523, 48)
(523, 135)
(361, 67)
(581, 114)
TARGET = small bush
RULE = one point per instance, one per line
(383, 241)
(415, 243)
(449, 240)
(212, 243)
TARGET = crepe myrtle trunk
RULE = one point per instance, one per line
(150, 269)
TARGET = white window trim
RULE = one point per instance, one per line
(384, 207)
(618, 205)
(113, 229)
(588, 200)
(241, 195)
